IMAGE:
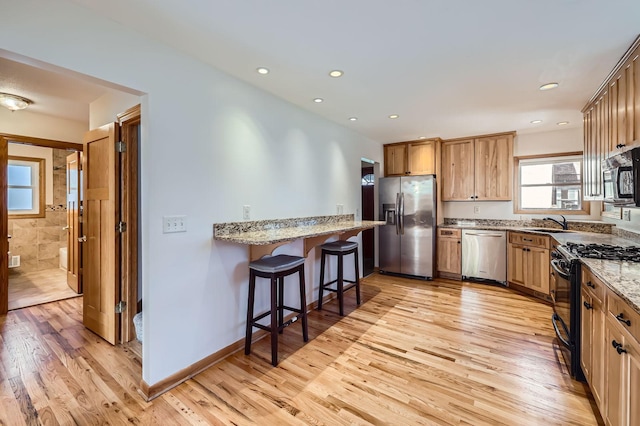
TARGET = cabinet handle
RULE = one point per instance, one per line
(590, 284)
(620, 145)
(618, 347)
(458, 242)
(620, 317)
(588, 305)
(528, 240)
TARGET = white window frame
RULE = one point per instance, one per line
(548, 159)
(38, 178)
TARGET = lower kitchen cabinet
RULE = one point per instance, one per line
(528, 261)
(622, 361)
(592, 346)
(449, 253)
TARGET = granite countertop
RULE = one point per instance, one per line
(281, 230)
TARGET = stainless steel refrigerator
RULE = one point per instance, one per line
(407, 240)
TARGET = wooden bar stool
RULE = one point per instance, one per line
(340, 249)
(275, 268)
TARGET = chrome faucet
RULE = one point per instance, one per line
(564, 224)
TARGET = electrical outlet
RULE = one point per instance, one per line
(339, 208)
(172, 224)
(626, 214)
(246, 212)
(476, 209)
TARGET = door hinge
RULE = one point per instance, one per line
(121, 147)
(121, 227)
(120, 307)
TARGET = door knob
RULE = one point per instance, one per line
(82, 239)
(65, 228)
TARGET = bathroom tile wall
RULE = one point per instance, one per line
(38, 241)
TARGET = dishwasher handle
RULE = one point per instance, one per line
(486, 235)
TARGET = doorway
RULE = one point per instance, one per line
(368, 213)
(37, 227)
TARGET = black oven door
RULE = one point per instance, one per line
(561, 297)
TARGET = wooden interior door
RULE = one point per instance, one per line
(74, 182)
(100, 249)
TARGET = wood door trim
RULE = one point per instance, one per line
(48, 143)
(129, 122)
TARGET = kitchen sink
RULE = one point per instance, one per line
(549, 230)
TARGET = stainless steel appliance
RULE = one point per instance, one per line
(484, 255)
(407, 240)
(621, 178)
(566, 293)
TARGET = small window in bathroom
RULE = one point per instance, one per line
(26, 186)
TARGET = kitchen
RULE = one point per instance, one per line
(212, 276)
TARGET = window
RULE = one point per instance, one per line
(550, 184)
(25, 194)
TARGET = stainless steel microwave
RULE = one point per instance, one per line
(621, 178)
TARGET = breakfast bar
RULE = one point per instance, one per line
(264, 236)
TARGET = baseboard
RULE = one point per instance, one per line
(149, 392)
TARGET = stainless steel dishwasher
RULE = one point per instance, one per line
(484, 255)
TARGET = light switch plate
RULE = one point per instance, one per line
(246, 212)
(626, 214)
(172, 224)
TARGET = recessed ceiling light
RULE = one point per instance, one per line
(549, 86)
(263, 70)
(353, 118)
(536, 121)
(336, 73)
(394, 116)
(318, 100)
(562, 123)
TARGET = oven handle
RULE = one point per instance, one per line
(555, 265)
(555, 318)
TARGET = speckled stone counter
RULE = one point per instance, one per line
(272, 233)
(526, 225)
(623, 278)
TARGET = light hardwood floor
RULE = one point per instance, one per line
(413, 353)
(34, 288)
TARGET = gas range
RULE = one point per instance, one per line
(601, 251)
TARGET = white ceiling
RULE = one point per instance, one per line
(449, 68)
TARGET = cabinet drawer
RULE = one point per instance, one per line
(530, 240)
(449, 233)
(592, 284)
(626, 316)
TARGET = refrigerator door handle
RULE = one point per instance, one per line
(398, 213)
(401, 214)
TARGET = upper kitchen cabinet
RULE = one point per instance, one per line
(611, 119)
(410, 158)
(478, 168)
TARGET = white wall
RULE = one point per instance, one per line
(210, 144)
(27, 123)
(105, 109)
(564, 140)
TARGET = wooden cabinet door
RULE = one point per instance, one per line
(395, 160)
(597, 352)
(586, 329)
(449, 255)
(636, 97)
(457, 170)
(493, 167)
(537, 269)
(516, 264)
(633, 388)
(421, 158)
(614, 394)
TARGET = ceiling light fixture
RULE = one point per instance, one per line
(562, 123)
(548, 86)
(536, 121)
(336, 73)
(14, 102)
(394, 116)
(263, 70)
(353, 118)
(318, 100)
(422, 137)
